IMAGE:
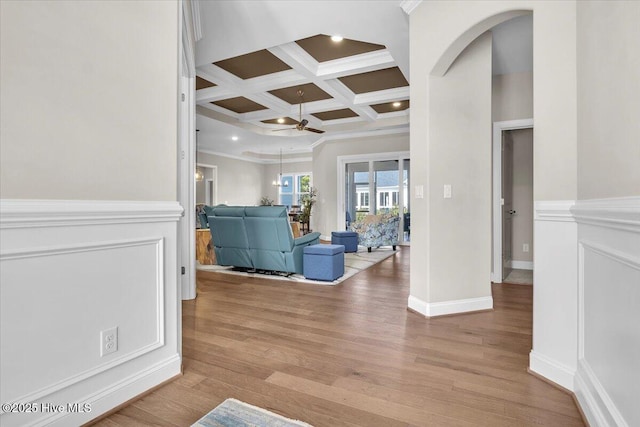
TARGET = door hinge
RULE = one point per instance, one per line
(184, 271)
(183, 97)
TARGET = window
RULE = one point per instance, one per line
(297, 186)
(384, 199)
(363, 200)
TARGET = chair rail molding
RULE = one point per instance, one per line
(17, 213)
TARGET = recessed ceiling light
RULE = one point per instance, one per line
(336, 38)
(234, 138)
(280, 120)
(397, 104)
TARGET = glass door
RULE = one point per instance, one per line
(386, 186)
(356, 192)
(378, 187)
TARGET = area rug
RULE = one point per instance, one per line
(353, 263)
(234, 413)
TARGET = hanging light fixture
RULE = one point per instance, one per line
(279, 182)
(199, 175)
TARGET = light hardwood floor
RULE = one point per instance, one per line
(353, 355)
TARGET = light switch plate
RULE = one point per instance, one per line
(447, 191)
(419, 191)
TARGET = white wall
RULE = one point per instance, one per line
(88, 105)
(608, 107)
(88, 111)
(459, 155)
(239, 181)
(512, 96)
(325, 172)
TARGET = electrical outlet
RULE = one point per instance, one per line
(108, 341)
(525, 247)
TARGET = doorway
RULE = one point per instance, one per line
(513, 202)
(207, 188)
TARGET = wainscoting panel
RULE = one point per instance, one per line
(70, 270)
(555, 293)
(608, 375)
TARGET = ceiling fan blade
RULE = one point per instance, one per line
(314, 130)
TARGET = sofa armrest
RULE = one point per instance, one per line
(306, 239)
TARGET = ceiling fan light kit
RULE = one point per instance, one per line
(302, 123)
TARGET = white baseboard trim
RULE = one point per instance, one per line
(449, 307)
(551, 370)
(521, 265)
(123, 391)
(595, 402)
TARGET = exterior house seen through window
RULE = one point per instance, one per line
(297, 186)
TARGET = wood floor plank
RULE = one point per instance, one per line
(352, 355)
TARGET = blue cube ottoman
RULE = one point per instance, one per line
(323, 262)
(347, 238)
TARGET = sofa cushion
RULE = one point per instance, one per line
(266, 211)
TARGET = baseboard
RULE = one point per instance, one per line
(127, 390)
(449, 307)
(521, 265)
(551, 370)
(595, 402)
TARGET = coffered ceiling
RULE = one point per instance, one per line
(267, 53)
(255, 56)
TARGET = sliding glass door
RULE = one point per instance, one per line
(376, 187)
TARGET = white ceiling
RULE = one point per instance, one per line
(233, 28)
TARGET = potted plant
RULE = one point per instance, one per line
(266, 201)
(307, 200)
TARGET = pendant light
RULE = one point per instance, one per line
(279, 182)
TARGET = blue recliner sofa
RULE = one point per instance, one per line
(257, 237)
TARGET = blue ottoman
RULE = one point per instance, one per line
(323, 262)
(347, 238)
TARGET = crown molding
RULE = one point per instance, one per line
(261, 161)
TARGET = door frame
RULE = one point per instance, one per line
(498, 128)
(190, 32)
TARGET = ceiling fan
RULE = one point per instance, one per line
(302, 123)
